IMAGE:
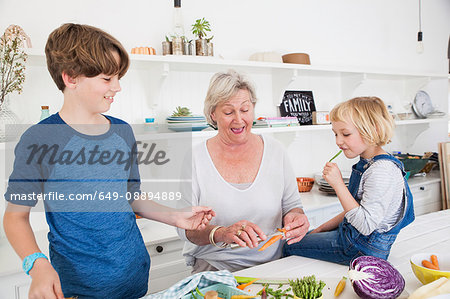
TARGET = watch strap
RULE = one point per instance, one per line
(28, 261)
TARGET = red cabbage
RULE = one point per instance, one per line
(375, 278)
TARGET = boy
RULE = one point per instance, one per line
(96, 248)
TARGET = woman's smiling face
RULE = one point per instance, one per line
(235, 117)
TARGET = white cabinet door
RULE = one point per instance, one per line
(167, 265)
(426, 198)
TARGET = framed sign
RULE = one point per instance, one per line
(300, 104)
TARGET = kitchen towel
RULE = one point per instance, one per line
(200, 280)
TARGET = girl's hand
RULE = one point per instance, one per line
(243, 233)
(332, 175)
(45, 281)
(296, 225)
(196, 219)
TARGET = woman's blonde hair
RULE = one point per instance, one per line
(222, 87)
(369, 115)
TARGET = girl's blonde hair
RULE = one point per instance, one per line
(222, 87)
(369, 115)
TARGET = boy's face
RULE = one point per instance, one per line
(96, 94)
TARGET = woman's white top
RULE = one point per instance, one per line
(264, 202)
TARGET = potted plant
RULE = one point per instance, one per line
(167, 46)
(12, 72)
(199, 29)
(210, 48)
(12, 67)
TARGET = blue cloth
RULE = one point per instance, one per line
(346, 242)
(200, 280)
(94, 243)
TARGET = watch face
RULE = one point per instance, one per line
(422, 105)
(26, 264)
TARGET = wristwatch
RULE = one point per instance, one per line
(28, 262)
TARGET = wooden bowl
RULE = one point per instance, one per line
(299, 58)
(305, 184)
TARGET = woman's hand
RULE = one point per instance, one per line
(296, 225)
(45, 282)
(332, 175)
(243, 233)
(196, 219)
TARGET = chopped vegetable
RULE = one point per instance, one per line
(198, 292)
(244, 285)
(270, 242)
(263, 293)
(429, 265)
(275, 293)
(340, 287)
(439, 286)
(243, 279)
(282, 230)
(434, 260)
(211, 295)
(373, 277)
(307, 287)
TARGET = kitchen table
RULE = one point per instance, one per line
(428, 233)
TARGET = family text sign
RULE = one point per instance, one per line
(299, 104)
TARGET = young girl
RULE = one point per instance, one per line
(377, 203)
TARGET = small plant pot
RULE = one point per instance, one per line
(210, 47)
(177, 46)
(166, 48)
(188, 49)
(201, 47)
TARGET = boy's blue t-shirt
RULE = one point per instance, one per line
(87, 184)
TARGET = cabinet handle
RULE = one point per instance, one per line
(422, 188)
(159, 249)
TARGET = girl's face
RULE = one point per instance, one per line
(350, 141)
(235, 117)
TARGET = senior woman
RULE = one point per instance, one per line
(246, 178)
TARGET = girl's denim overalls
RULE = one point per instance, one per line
(346, 242)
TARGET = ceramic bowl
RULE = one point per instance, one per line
(299, 58)
(305, 184)
(426, 275)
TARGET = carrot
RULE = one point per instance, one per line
(282, 230)
(434, 261)
(244, 285)
(429, 265)
(270, 242)
(340, 287)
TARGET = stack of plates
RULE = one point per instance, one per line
(325, 187)
(186, 123)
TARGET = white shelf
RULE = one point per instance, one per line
(211, 133)
(198, 63)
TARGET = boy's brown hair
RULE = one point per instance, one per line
(83, 50)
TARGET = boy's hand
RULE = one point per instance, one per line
(332, 175)
(45, 281)
(196, 219)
